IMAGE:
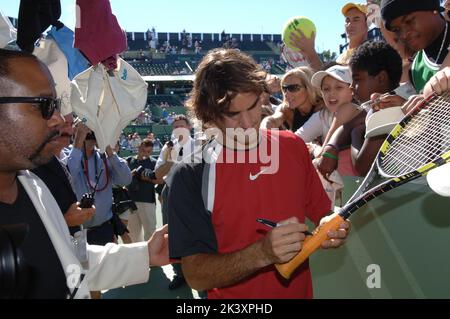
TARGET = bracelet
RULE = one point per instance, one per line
(329, 155)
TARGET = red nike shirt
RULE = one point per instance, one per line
(247, 191)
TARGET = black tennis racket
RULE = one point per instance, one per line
(418, 144)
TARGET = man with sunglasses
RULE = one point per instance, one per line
(29, 136)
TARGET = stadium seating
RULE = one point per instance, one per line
(171, 100)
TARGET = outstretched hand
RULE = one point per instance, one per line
(304, 44)
(158, 247)
(76, 216)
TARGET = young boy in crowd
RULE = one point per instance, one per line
(376, 68)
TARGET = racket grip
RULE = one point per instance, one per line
(310, 245)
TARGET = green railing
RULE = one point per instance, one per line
(405, 234)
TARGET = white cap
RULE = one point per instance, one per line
(439, 180)
(383, 121)
(339, 72)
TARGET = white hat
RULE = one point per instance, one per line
(383, 121)
(339, 72)
(439, 180)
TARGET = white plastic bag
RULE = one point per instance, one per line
(49, 52)
(7, 32)
(107, 104)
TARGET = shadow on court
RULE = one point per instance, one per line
(155, 288)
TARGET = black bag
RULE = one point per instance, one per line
(119, 227)
(122, 201)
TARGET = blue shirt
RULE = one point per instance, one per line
(119, 174)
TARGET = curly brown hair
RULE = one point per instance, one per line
(221, 75)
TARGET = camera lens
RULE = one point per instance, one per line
(13, 269)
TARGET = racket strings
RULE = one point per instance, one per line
(423, 139)
(411, 152)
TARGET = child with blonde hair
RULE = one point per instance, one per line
(334, 84)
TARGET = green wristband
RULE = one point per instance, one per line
(329, 155)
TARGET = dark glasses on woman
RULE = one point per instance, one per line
(291, 88)
(47, 105)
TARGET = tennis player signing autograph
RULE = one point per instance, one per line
(214, 204)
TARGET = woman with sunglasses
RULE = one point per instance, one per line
(300, 101)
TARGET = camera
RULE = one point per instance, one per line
(122, 201)
(121, 207)
(87, 201)
(13, 268)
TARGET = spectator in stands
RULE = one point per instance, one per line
(157, 145)
(176, 150)
(135, 141)
(183, 40)
(170, 118)
(421, 27)
(122, 140)
(301, 100)
(197, 47)
(140, 119)
(142, 222)
(164, 113)
(151, 136)
(213, 206)
(130, 139)
(376, 68)
(356, 29)
(29, 136)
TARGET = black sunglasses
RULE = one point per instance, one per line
(292, 88)
(47, 105)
